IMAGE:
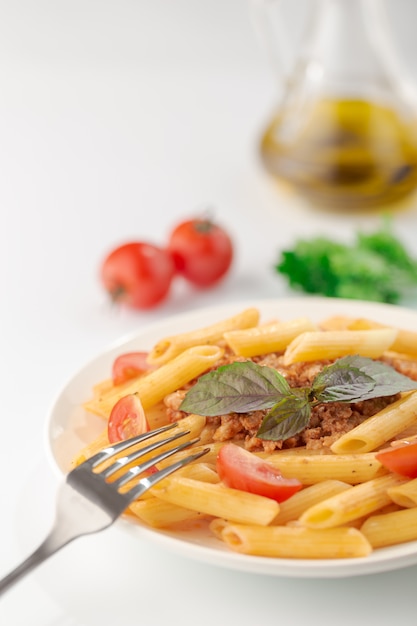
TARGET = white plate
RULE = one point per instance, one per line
(69, 428)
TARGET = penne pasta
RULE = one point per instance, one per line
(391, 528)
(296, 542)
(153, 387)
(170, 347)
(315, 346)
(380, 428)
(160, 514)
(218, 500)
(310, 469)
(404, 495)
(336, 322)
(351, 504)
(273, 337)
(405, 341)
(291, 509)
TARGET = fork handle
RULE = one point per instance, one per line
(46, 549)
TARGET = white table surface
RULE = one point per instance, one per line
(118, 119)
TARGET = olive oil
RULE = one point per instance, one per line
(347, 154)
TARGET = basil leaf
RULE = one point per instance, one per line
(354, 378)
(341, 384)
(388, 380)
(238, 387)
(287, 418)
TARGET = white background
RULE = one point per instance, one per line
(118, 119)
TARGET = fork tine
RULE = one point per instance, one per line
(139, 469)
(111, 450)
(149, 481)
(137, 454)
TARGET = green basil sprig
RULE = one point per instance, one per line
(242, 387)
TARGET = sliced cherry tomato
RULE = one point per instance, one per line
(202, 251)
(240, 469)
(138, 274)
(400, 459)
(129, 365)
(127, 419)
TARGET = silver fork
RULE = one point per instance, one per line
(87, 503)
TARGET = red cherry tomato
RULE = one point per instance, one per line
(242, 470)
(127, 419)
(128, 365)
(202, 251)
(401, 459)
(138, 274)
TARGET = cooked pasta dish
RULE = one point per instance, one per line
(310, 431)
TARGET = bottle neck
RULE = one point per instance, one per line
(349, 47)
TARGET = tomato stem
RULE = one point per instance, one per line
(117, 294)
(204, 224)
